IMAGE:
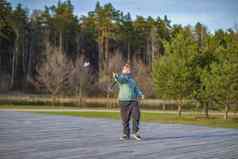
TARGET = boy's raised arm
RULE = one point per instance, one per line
(119, 78)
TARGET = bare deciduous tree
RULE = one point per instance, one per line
(116, 62)
(54, 74)
(142, 74)
(82, 77)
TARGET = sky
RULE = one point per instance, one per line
(214, 14)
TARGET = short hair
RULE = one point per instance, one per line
(127, 65)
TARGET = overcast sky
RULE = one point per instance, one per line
(214, 14)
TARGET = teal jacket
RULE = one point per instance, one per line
(128, 88)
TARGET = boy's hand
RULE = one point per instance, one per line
(114, 74)
(142, 97)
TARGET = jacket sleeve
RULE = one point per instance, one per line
(138, 91)
(120, 78)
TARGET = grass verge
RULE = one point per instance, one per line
(213, 121)
(161, 117)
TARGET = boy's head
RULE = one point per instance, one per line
(126, 69)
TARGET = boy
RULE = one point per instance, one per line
(128, 96)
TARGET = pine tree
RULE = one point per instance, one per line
(172, 73)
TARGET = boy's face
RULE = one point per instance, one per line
(126, 70)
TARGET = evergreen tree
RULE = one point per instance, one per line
(172, 73)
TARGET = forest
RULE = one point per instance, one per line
(55, 52)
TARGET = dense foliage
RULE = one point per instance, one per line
(199, 69)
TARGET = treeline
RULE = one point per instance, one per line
(54, 51)
(100, 36)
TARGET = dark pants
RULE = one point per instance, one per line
(128, 109)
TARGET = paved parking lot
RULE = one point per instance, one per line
(25, 135)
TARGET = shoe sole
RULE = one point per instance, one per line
(138, 139)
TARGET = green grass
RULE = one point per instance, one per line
(161, 117)
(213, 121)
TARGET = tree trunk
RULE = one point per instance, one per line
(13, 68)
(53, 100)
(227, 109)
(23, 43)
(152, 56)
(205, 109)
(29, 64)
(108, 100)
(61, 41)
(106, 62)
(100, 55)
(153, 45)
(78, 39)
(14, 63)
(180, 108)
(148, 51)
(80, 95)
(128, 53)
(25, 57)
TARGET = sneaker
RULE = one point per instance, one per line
(124, 137)
(136, 136)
